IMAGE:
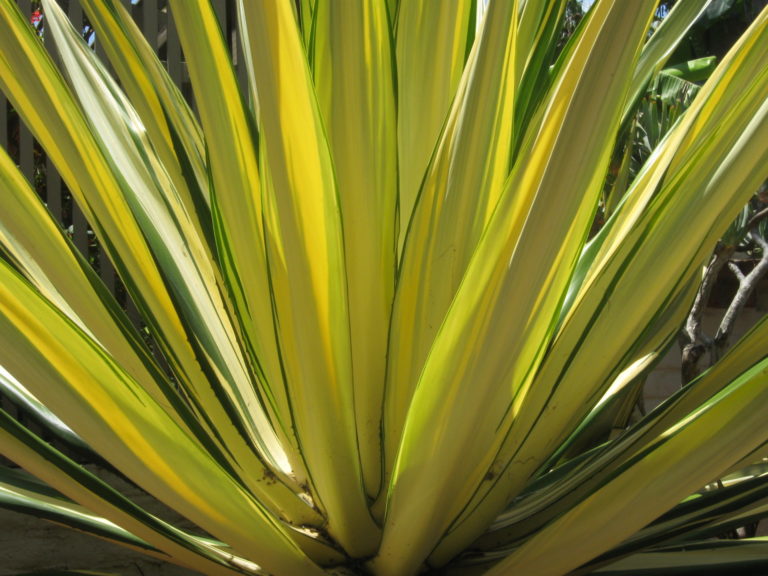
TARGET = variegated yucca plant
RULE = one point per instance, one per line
(388, 344)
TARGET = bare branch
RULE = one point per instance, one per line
(693, 342)
(747, 286)
(757, 218)
(733, 267)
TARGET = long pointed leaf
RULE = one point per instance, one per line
(482, 362)
(458, 195)
(355, 82)
(575, 359)
(117, 417)
(706, 558)
(432, 47)
(308, 270)
(660, 475)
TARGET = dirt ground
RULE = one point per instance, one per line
(28, 544)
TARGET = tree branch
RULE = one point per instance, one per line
(693, 342)
(747, 285)
(757, 218)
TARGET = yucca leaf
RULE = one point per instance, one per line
(458, 194)
(36, 245)
(707, 115)
(617, 187)
(570, 363)
(238, 227)
(110, 203)
(432, 47)
(33, 408)
(23, 493)
(193, 282)
(540, 22)
(263, 240)
(704, 515)
(35, 242)
(171, 126)
(662, 43)
(306, 16)
(753, 511)
(665, 469)
(101, 500)
(665, 328)
(557, 491)
(393, 8)
(482, 362)
(307, 270)
(708, 558)
(41, 88)
(354, 73)
(106, 407)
